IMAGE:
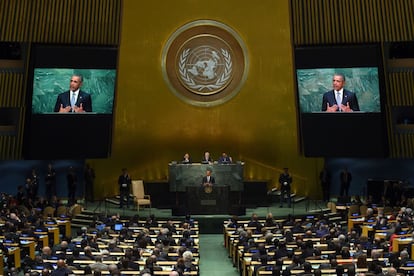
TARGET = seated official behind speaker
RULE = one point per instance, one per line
(186, 159)
(225, 159)
(206, 158)
(339, 99)
(74, 100)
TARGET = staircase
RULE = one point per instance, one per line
(294, 198)
(84, 219)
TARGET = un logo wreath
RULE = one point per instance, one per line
(219, 84)
(205, 63)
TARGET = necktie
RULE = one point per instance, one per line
(338, 100)
(73, 100)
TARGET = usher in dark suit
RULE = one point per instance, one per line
(83, 98)
(347, 97)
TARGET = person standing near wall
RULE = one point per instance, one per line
(124, 182)
(72, 181)
(285, 181)
(50, 182)
(325, 180)
(345, 178)
(89, 178)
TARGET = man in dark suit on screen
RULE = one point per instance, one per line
(74, 100)
(339, 99)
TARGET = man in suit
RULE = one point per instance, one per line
(325, 178)
(72, 181)
(124, 182)
(345, 178)
(206, 159)
(74, 100)
(208, 179)
(225, 159)
(339, 99)
(285, 180)
(50, 181)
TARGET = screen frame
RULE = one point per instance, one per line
(317, 130)
(63, 135)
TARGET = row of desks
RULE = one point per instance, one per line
(133, 272)
(30, 242)
(367, 228)
(246, 265)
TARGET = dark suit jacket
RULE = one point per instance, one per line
(83, 98)
(122, 179)
(224, 160)
(347, 97)
(212, 180)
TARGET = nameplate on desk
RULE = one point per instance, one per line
(208, 202)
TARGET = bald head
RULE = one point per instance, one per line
(392, 271)
(60, 263)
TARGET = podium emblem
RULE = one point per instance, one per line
(208, 189)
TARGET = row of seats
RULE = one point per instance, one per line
(18, 251)
(242, 258)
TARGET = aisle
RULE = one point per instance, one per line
(214, 260)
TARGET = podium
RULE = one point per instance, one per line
(180, 176)
(200, 202)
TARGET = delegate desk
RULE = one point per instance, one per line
(182, 176)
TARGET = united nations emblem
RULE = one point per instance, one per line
(205, 69)
(208, 189)
(205, 63)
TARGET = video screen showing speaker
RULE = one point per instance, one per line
(70, 99)
(51, 84)
(341, 94)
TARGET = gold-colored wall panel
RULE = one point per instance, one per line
(259, 125)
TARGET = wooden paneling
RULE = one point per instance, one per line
(351, 21)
